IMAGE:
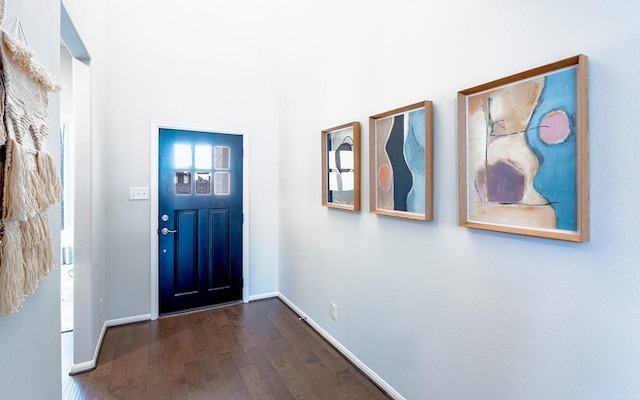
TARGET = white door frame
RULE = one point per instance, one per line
(154, 133)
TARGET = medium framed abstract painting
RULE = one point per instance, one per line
(341, 167)
(401, 162)
(523, 153)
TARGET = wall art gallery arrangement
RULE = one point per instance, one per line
(522, 156)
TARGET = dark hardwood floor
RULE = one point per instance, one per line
(258, 350)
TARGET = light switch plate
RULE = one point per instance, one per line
(138, 193)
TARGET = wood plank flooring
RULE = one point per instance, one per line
(258, 350)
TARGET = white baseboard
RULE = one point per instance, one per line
(82, 367)
(91, 364)
(128, 320)
(345, 352)
(262, 296)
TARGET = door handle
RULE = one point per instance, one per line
(164, 231)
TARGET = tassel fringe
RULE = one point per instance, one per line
(11, 270)
(39, 259)
(26, 255)
(32, 184)
(38, 191)
(3, 129)
(47, 259)
(50, 176)
(17, 202)
(34, 230)
(31, 270)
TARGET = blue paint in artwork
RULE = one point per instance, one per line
(402, 180)
(556, 179)
(414, 156)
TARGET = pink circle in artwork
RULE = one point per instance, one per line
(554, 127)
(384, 177)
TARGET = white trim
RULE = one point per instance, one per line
(261, 296)
(91, 364)
(82, 367)
(344, 351)
(128, 320)
(154, 132)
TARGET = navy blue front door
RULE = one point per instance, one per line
(200, 219)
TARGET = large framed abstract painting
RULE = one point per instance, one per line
(523, 153)
(401, 162)
(341, 167)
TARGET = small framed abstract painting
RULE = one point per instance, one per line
(341, 167)
(523, 153)
(401, 162)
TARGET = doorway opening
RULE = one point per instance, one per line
(67, 172)
(200, 198)
(156, 217)
(75, 120)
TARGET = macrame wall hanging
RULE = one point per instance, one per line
(29, 179)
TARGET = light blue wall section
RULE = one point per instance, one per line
(440, 311)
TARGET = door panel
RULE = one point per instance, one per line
(200, 219)
(219, 266)
(186, 262)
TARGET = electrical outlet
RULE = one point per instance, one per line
(138, 193)
(334, 311)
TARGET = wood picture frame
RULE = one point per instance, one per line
(401, 162)
(341, 167)
(523, 159)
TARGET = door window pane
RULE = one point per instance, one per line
(221, 183)
(182, 182)
(203, 156)
(181, 155)
(221, 155)
(203, 182)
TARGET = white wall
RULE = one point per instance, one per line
(30, 345)
(197, 63)
(440, 311)
(66, 80)
(436, 310)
